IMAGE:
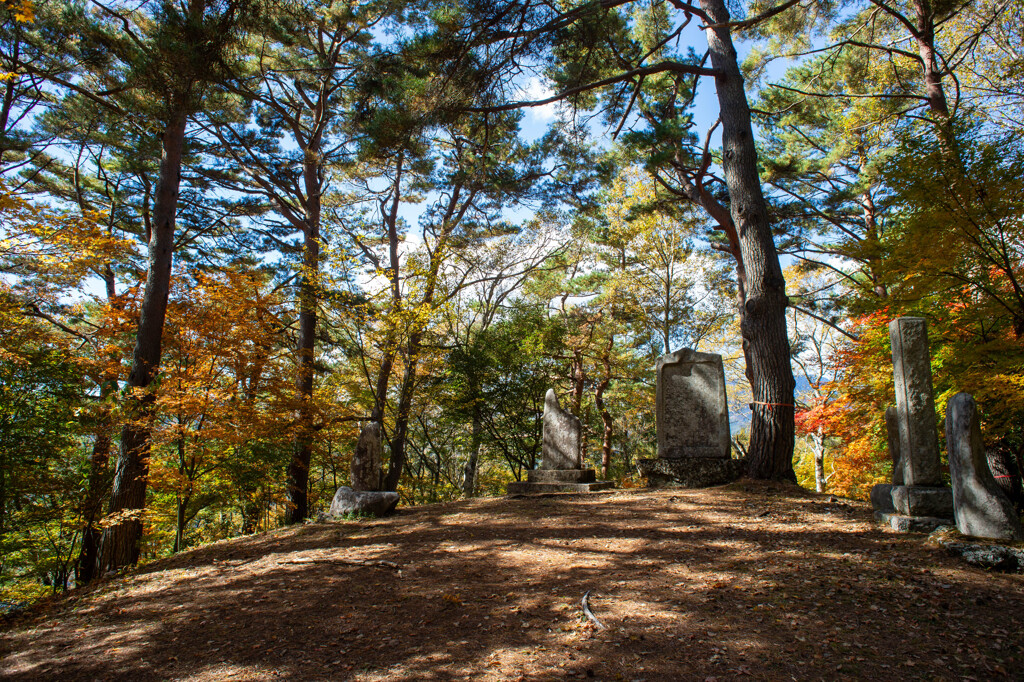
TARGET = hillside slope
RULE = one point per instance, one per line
(747, 581)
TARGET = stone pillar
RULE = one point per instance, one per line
(561, 468)
(562, 445)
(881, 494)
(922, 502)
(365, 471)
(982, 509)
(915, 404)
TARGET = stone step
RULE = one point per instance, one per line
(911, 524)
(561, 476)
(527, 488)
(691, 472)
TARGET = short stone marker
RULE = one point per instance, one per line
(881, 494)
(357, 502)
(982, 509)
(922, 503)
(561, 468)
(365, 471)
(692, 422)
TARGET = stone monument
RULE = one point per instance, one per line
(365, 496)
(561, 468)
(692, 422)
(982, 509)
(922, 503)
(881, 494)
(365, 471)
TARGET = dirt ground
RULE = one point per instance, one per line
(749, 581)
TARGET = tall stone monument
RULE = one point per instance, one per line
(561, 468)
(922, 502)
(692, 422)
(982, 509)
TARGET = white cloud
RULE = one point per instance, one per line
(537, 89)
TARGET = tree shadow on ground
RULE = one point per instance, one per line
(754, 582)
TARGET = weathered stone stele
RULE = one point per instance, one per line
(982, 509)
(692, 421)
(365, 470)
(561, 468)
(562, 436)
(922, 503)
(691, 406)
(915, 405)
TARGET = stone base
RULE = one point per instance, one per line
(918, 500)
(881, 498)
(558, 481)
(361, 502)
(561, 476)
(911, 524)
(694, 472)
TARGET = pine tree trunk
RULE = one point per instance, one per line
(397, 462)
(763, 325)
(100, 457)
(120, 543)
(98, 462)
(302, 449)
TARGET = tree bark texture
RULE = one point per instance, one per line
(120, 542)
(309, 299)
(763, 325)
(98, 481)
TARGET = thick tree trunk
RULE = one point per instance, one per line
(98, 481)
(302, 448)
(401, 433)
(763, 326)
(120, 542)
(924, 18)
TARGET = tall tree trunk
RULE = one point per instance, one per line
(763, 325)
(98, 481)
(924, 18)
(309, 297)
(398, 439)
(475, 444)
(579, 381)
(100, 457)
(120, 543)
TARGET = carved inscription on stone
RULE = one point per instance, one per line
(691, 408)
(562, 436)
